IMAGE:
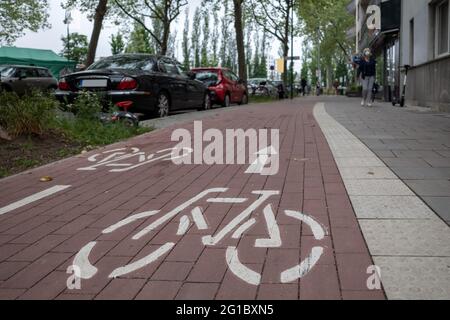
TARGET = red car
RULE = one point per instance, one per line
(225, 86)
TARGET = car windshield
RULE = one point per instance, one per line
(134, 63)
(208, 77)
(5, 71)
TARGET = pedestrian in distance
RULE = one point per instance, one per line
(303, 84)
(281, 91)
(367, 67)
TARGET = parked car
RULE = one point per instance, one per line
(224, 85)
(22, 79)
(139, 83)
(262, 87)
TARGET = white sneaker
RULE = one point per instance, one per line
(370, 105)
(363, 103)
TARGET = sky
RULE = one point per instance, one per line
(51, 38)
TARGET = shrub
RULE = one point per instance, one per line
(87, 105)
(92, 132)
(30, 114)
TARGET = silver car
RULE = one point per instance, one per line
(22, 79)
(262, 87)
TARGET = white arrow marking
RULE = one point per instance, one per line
(142, 262)
(262, 158)
(241, 271)
(274, 232)
(81, 260)
(32, 198)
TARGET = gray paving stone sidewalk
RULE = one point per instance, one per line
(414, 145)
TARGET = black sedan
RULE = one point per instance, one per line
(139, 83)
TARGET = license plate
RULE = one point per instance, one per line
(97, 83)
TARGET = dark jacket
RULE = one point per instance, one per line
(368, 68)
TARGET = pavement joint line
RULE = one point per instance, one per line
(396, 283)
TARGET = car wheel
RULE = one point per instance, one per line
(163, 105)
(226, 101)
(206, 102)
(244, 99)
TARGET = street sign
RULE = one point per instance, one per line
(280, 65)
(294, 58)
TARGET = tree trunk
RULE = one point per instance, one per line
(165, 39)
(100, 12)
(240, 39)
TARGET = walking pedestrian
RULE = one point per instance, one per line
(368, 67)
(303, 84)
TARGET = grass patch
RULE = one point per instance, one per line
(42, 134)
(261, 99)
(94, 133)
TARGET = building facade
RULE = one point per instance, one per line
(414, 33)
(384, 40)
(425, 45)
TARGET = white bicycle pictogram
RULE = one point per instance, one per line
(126, 159)
(235, 228)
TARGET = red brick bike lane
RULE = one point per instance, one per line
(154, 231)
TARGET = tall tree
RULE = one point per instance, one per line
(195, 37)
(225, 36)
(161, 11)
(97, 11)
(215, 40)
(327, 31)
(185, 43)
(205, 41)
(139, 41)
(117, 44)
(240, 46)
(75, 47)
(275, 19)
(16, 16)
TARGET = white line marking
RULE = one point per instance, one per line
(303, 268)
(183, 226)
(241, 271)
(317, 229)
(274, 231)
(129, 220)
(142, 262)
(211, 241)
(32, 198)
(174, 212)
(81, 260)
(238, 233)
(227, 200)
(199, 219)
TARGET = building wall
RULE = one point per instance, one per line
(429, 79)
(415, 9)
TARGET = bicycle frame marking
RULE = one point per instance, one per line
(115, 157)
(236, 227)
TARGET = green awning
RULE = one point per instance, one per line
(35, 57)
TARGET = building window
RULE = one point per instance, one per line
(442, 28)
